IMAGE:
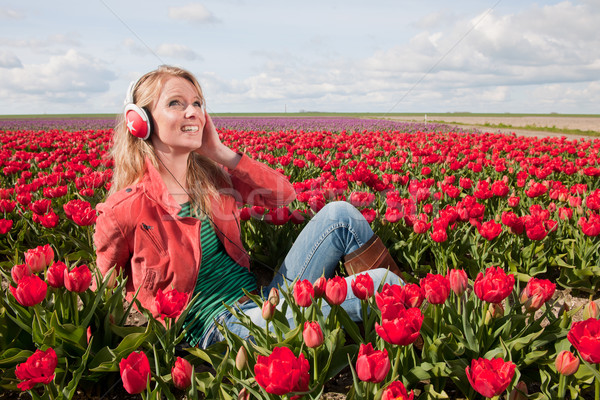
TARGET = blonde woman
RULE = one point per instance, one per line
(171, 219)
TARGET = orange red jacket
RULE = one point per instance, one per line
(138, 229)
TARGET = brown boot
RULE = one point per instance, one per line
(370, 255)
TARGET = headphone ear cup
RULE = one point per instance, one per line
(138, 122)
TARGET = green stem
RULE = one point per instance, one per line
(316, 371)
(597, 387)
(267, 334)
(365, 315)
(75, 308)
(562, 386)
(482, 327)
(396, 363)
(436, 321)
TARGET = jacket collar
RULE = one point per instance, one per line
(155, 188)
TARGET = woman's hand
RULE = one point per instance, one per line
(213, 148)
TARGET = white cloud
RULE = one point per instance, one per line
(47, 44)
(9, 60)
(193, 12)
(61, 76)
(177, 51)
(9, 13)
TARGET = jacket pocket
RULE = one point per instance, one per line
(154, 237)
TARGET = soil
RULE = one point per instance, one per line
(521, 126)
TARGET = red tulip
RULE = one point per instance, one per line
(41, 207)
(490, 229)
(362, 286)
(39, 368)
(312, 334)
(439, 235)
(39, 258)
(303, 293)
(135, 372)
(397, 391)
(535, 230)
(268, 310)
(319, 287)
(372, 365)
(536, 293)
(566, 363)
(336, 290)
(459, 281)
(412, 295)
(49, 220)
(585, 337)
(436, 288)
(590, 226)
(181, 373)
(55, 274)
(19, 271)
(494, 286)
(30, 290)
(5, 226)
(170, 304)
(369, 214)
(78, 279)
(490, 377)
(281, 372)
(400, 326)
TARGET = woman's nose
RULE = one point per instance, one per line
(192, 110)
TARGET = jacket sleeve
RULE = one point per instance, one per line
(257, 184)
(112, 248)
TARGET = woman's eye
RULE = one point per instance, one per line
(173, 103)
(198, 104)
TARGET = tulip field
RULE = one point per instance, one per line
(487, 228)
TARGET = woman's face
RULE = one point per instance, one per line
(178, 117)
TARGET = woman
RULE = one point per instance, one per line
(171, 219)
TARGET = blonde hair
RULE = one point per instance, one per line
(204, 177)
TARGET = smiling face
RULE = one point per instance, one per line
(178, 118)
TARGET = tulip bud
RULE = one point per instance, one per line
(274, 297)
(495, 310)
(566, 363)
(336, 290)
(319, 287)
(458, 281)
(244, 394)
(181, 373)
(591, 311)
(241, 359)
(268, 311)
(88, 334)
(312, 334)
(519, 392)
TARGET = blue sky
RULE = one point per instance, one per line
(332, 56)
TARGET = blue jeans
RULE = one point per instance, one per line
(336, 230)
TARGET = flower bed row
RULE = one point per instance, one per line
(516, 215)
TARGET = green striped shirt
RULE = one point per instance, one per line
(220, 281)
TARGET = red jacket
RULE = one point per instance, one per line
(138, 228)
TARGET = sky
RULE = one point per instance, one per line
(384, 56)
